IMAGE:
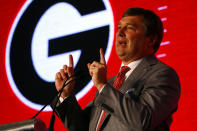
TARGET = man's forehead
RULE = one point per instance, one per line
(134, 20)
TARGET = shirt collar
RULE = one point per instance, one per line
(132, 66)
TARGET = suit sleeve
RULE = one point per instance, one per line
(71, 114)
(154, 101)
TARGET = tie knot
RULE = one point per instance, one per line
(120, 77)
(124, 70)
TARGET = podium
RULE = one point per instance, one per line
(27, 125)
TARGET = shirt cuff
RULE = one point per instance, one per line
(62, 99)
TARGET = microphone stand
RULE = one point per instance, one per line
(52, 121)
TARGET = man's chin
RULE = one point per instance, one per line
(120, 53)
(122, 56)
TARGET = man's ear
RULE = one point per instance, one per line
(152, 41)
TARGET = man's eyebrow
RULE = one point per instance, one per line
(132, 24)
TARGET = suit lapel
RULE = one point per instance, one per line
(137, 73)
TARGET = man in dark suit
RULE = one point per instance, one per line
(144, 98)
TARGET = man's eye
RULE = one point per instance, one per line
(130, 27)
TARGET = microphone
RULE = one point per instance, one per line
(79, 75)
(52, 121)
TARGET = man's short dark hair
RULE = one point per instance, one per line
(152, 22)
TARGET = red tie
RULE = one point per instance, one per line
(120, 77)
(117, 84)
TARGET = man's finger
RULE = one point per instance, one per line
(70, 68)
(70, 71)
(63, 74)
(65, 68)
(102, 57)
(58, 76)
(71, 61)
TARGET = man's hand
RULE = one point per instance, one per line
(98, 71)
(63, 75)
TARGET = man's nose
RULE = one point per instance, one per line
(121, 32)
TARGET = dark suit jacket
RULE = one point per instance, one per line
(146, 101)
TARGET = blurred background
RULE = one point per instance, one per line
(36, 37)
